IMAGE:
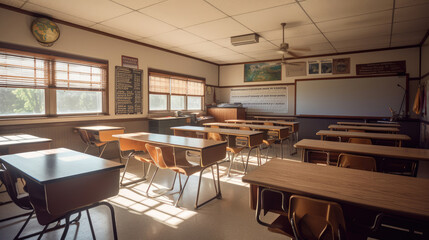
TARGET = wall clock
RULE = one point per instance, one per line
(45, 31)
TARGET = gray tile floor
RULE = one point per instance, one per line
(140, 217)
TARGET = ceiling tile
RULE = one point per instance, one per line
(56, 14)
(359, 33)
(199, 47)
(299, 31)
(324, 10)
(177, 37)
(137, 4)
(411, 13)
(273, 54)
(302, 41)
(13, 3)
(217, 52)
(115, 31)
(404, 39)
(183, 13)
(154, 43)
(362, 47)
(382, 41)
(139, 24)
(270, 19)
(244, 6)
(411, 26)
(236, 58)
(406, 3)
(366, 20)
(181, 50)
(218, 29)
(94, 10)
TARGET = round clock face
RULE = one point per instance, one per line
(45, 31)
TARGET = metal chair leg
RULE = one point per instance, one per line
(230, 164)
(86, 149)
(218, 192)
(181, 192)
(112, 214)
(90, 224)
(151, 180)
(247, 162)
(42, 232)
(125, 169)
(25, 224)
(102, 151)
(214, 179)
(66, 227)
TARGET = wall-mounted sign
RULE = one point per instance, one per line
(326, 66)
(381, 68)
(130, 62)
(261, 99)
(313, 67)
(341, 66)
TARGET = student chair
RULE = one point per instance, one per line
(132, 149)
(357, 162)
(250, 150)
(316, 219)
(91, 141)
(164, 158)
(231, 150)
(36, 202)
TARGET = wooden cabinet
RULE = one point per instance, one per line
(222, 114)
(163, 125)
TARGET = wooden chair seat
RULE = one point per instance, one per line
(360, 140)
(142, 157)
(357, 162)
(282, 226)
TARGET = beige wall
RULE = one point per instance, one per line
(233, 75)
(14, 28)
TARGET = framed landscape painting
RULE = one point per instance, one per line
(258, 72)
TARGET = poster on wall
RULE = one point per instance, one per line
(261, 99)
(258, 72)
(341, 66)
(128, 90)
(326, 66)
(296, 69)
(313, 67)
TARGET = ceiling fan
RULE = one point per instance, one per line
(284, 48)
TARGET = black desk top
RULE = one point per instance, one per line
(53, 165)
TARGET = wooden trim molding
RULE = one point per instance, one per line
(257, 85)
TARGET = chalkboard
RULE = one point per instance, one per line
(128, 86)
(358, 96)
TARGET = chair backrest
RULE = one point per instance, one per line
(162, 156)
(269, 123)
(128, 145)
(245, 128)
(360, 140)
(214, 136)
(316, 219)
(357, 162)
(9, 178)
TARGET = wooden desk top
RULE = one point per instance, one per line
(170, 140)
(99, 128)
(370, 124)
(366, 128)
(263, 121)
(252, 126)
(17, 139)
(401, 195)
(275, 117)
(223, 131)
(58, 164)
(385, 136)
(366, 149)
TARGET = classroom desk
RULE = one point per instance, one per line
(16, 143)
(413, 154)
(398, 138)
(370, 124)
(279, 132)
(254, 138)
(210, 151)
(98, 135)
(364, 128)
(66, 179)
(276, 118)
(385, 193)
(294, 126)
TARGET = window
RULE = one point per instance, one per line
(42, 85)
(169, 92)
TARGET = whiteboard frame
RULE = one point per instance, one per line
(350, 78)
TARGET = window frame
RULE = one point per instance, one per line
(175, 76)
(50, 58)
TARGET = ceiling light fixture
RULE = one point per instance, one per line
(245, 39)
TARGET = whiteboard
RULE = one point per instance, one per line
(261, 99)
(360, 96)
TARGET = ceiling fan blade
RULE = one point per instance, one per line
(300, 49)
(293, 54)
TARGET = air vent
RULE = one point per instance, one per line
(245, 39)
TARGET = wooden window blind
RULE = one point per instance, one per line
(159, 84)
(75, 76)
(19, 71)
(178, 86)
(195, 88)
